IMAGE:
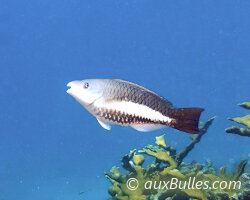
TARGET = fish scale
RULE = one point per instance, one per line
(117, 116)
(125, 91)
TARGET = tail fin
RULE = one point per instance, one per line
(187, 119)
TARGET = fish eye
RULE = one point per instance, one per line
(86, 85)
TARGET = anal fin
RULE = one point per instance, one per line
(147, 127)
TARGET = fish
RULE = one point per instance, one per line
(120, 102)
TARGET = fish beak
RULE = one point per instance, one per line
(69, 85)
(72, 85)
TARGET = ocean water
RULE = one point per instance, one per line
(194, 53)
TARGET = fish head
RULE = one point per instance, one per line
(86, 91)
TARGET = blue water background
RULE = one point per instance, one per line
(194, 53)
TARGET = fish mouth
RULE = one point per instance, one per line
(69, 85)
(72, 85)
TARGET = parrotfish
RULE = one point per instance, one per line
(114, 101)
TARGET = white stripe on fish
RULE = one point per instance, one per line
(135, 109)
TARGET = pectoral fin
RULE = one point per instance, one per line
(104, 125)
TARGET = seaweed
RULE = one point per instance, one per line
(150, 182)
(245, 121)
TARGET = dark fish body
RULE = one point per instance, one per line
(125, 103)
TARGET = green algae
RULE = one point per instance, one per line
(245, 105)
(245, 121)
(238, 131)
(242, 120)
(168, 164)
